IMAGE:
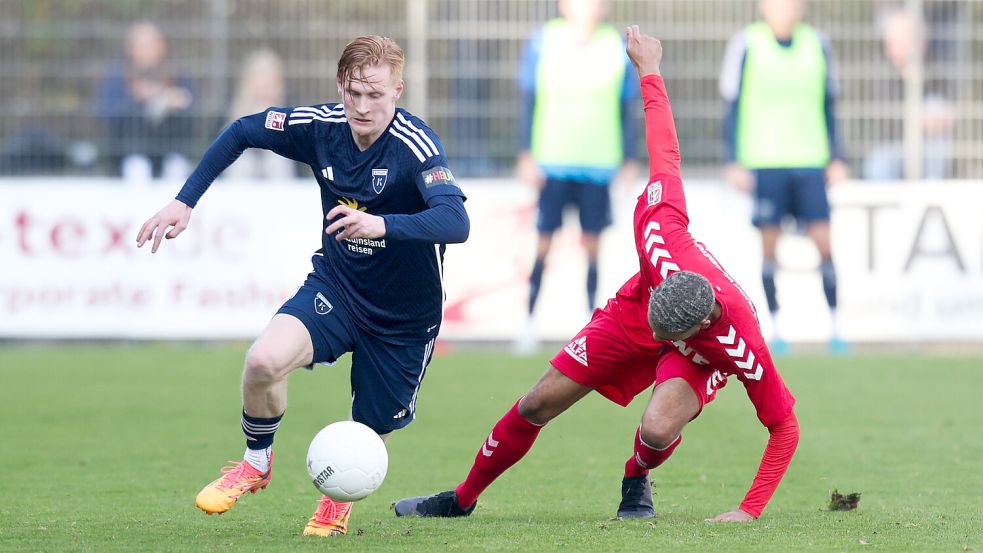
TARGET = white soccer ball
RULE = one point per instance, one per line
(347, 461)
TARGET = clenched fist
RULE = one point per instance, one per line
(644, 51)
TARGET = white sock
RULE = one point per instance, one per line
(258, 458)
(775, 335)
(834, 323)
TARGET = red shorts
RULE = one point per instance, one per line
(602, 356)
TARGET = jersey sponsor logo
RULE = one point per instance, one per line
(352, 203)
(328, 173)
(379, 177)
(321, 304)
(364, 246)
(438, 176)
(660, 258)
(655, 192)
(742, 355)
(275, 120)
(578, 350)
(687, 351)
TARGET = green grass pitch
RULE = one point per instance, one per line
(104, 449)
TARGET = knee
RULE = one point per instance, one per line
(658, 434)
(261, 366)
(537, 409)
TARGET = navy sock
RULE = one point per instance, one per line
(591, 284)
(768, 269)
(535, 279)
(828, 271)
(259, 432)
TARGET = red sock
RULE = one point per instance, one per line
(647, 457)
(508, 442)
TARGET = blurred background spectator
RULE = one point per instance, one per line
(54, 56)
(781, 139)
(145, 103)
(885, 162)
(579, 100)
(261, 85)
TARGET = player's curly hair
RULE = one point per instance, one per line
(682, 301)
(367, 51)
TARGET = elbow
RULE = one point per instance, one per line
(462, 226)
(788, 431)
(463, 230)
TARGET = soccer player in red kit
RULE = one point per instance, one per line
(681, 322)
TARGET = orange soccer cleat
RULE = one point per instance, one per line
(330, 518)
(237, 478)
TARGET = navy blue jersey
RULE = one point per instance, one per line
(392, 285)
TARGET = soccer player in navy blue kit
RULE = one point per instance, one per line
(390, 205)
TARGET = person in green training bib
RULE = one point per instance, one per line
(781, 140)
(577, 134)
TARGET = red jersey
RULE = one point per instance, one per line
(733, 343)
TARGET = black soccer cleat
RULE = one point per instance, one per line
(636, 498)
(443, 504)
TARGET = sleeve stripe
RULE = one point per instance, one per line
(306, 114)
(409, 143)
(303, 118)
(416, 138)
(412, 126)
(322, 111)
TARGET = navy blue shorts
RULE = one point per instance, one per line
(385, 378)
(592, 200)
(797, 193)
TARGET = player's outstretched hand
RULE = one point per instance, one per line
(354, 224)
(736, 515)
(170, 222)
(836, 172)
(644, 51)
(528, 171)
(739, 177)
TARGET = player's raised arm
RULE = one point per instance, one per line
(645, 53)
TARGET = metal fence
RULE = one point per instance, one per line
(463, 55)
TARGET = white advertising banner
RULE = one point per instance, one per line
(909, 257)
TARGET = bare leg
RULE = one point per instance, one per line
(553, 394)
(672, 406)
(283, 346)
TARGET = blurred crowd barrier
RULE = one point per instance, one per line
(910, 260)
(138, 88)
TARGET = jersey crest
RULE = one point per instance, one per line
(379, 177)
